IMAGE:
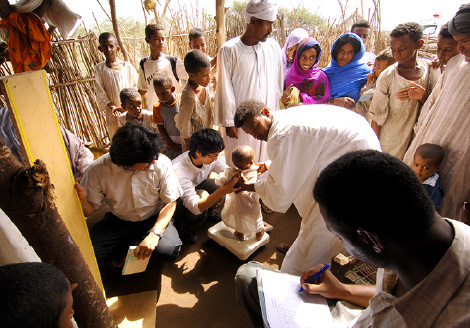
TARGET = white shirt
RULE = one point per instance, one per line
(146, 119)
(131, 195)
(302, 141)
(153, 67)
(368, 58)
(189, 176)
(110, 82)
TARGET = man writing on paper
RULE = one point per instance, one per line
(301, 141)
(140, 188)
(389, 221)
(248, 66)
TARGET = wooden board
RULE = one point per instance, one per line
(32, 111)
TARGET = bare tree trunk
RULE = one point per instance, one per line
(112, 5)
(220, 20)
(26, 197)
(5, 8)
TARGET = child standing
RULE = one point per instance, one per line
(311, 83)
(382, 61)
(196, 110)
(164, 112)
(426, 163)
(397, 99)
(111, 77)
(242, 211)
(132, 104)
(158, 62)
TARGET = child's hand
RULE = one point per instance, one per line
(286, 94)
(436, 63)
(82, 194)
(116, 111)
(415, 92)
(261, 167)
(370, 77)
(345, 102)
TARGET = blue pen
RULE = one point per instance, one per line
(316, 276)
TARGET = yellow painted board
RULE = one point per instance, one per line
(32, 111)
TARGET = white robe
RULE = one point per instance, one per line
(445, 121)
(245, 72)
(302, 141)
(242, 211)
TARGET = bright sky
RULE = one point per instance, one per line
(394, 12)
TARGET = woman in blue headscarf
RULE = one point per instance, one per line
(345, 72)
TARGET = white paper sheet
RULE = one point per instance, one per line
(286, 307)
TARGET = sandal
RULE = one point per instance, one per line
(283, 248)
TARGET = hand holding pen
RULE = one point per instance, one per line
(311, 279)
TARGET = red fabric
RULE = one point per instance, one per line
(29, 43)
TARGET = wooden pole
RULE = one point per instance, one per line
(220, 20)
(112, 6)
(27, 198)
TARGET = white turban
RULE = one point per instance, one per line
(261, 9)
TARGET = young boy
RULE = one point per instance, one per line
(158, 62)
(200, 194)
(396, 103)
(382, 61)
(132, 105)
(35, 295)
(426, 163)
(196, 111)
(164, 112)
(111, 77)
(447, 48)
(242, 211)
(197, 40)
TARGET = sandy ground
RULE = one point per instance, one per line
(197, 290)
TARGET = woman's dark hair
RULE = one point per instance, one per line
(134, 143)
(206, 141)
(347, 38)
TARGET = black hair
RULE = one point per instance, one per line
(206, 141)
(386, 54)
(444, 31)
(196, 32)
(195, 60)
(150, 29)
(431, 151)
(32, 295)
(127, 94)
(242, 155)
(162, 79)
(375, 191)
(134, 143)
(347, 38)
(248, 108)
(360, 23)
(414, 30)
(105, 36)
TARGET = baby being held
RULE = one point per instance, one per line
(242, 211)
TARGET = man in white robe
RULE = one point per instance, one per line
(248, 66)
(300, 143)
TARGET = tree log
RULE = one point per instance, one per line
(112, 5)
(220, 20)
(27, 198)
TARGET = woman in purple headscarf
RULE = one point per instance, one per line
(312, 83)
(290, 48)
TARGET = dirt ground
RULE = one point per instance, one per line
(197, 290)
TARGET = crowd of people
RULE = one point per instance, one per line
(371, 150)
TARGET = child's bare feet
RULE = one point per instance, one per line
(259, 235)
(239, 235)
